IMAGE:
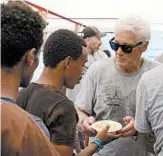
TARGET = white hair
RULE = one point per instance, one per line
(134, 24)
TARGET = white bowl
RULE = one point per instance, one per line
(113, 126)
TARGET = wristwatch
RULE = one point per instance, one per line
(98, 142)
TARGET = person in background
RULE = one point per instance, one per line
(92, 37)
(108, 90)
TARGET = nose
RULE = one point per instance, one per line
(100, 42)
(120, 51)
(82, 73)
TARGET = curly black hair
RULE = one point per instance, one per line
(61, 44)
(21, 30)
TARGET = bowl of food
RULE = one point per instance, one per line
(113, 125)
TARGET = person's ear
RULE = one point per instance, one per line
(67, 62)
(145, 46)
(30, 58)
(88, 41)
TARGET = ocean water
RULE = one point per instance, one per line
(155, 48)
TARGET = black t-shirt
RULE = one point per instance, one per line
(54, 108)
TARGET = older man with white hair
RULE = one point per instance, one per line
(109, 87)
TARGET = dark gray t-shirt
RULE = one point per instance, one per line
(149, 109)
(106, 93)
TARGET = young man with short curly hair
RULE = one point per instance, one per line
(20, 135)
(63, 56)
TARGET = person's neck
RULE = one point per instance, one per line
(89, 50)
(52, 77)
(133, 69)
(10, 83)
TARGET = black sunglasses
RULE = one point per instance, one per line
(125, 48)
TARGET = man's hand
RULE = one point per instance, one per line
(86, 126)
(129, 129)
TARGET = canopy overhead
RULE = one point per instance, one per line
(74, 14)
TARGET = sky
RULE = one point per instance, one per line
(151, 10)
